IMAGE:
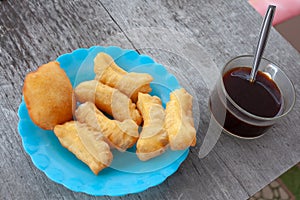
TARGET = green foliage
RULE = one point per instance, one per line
(292, 180)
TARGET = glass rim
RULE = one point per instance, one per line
(242, 109)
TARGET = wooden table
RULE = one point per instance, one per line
(183, 36)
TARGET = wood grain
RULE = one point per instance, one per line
(193, 40)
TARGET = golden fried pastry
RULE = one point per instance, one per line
(86, 144)
(179, 121)
(121, 135)
(109, 73)
(109, 100)
(48, 96)
(153, 139)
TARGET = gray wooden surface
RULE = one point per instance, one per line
(192, 39)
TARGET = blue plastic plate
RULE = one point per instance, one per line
(127, 174)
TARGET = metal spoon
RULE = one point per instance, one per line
(263, 37)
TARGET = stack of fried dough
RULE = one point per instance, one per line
(88, 132)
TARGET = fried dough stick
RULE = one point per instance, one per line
(121, 135)
(87, 145)
(109, 100)
(153, 139)
(109, 73)
(179, 121)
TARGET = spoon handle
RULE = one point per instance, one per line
(263, 37)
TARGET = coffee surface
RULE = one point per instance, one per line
(261, 97)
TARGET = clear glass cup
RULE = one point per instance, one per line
(235, 120)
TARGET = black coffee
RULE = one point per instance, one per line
(261, 98)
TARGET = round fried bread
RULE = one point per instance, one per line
(48, 96)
